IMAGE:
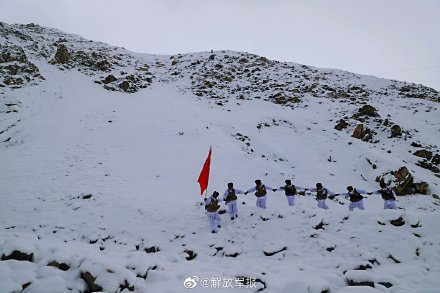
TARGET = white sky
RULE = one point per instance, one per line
(397, 39)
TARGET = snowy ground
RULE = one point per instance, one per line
(139, 156)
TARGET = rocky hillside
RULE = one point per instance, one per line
(218, 75)
(103, 146)
(222, 76)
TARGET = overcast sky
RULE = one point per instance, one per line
(397, 39)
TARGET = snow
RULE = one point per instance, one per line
(141, 171)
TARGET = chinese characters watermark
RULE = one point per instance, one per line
(217, 282)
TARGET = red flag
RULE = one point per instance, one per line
(204, 175)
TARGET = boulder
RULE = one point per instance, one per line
(423, 154)
(421, 187)
(109, 79)
(125, 85)
(436, 159)
(396, 130)
(342, 124)
(358, 131)
(402, 182)
(368, 110)
(90, 281)
(62, 56)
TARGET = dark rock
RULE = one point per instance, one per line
(426, 165)
(103, 65)
(398, 222)
(358, 131)
(354, 283)
(233, 255)
(90, 281)
(62, 56)
(330, 249)
(423, 154)
(18, 255)
(363, 267)
(436, 159)
(87, 196)
(60, 266)
(368, 110)
(125, 85)
(109, 79)
(152, 249)
(191, 254)
(396, 130)
(386, 284)
(341, 125)
(127, 286)
(416, 145)
(435, 196)
(320, 226)
(421, 187)
(274, 252)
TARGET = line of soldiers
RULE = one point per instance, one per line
(290, 190)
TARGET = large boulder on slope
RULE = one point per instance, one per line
(62, 56)
(358, 131)
(402, 182)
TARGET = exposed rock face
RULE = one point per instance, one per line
(11, 54)
(15, 68)
(423, 154)
(402, 182)
(358, 131)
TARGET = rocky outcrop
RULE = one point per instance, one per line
(62, 56)
(423, 154)
(363, 133)
(15, 68)
(358, 132)
(402, 182)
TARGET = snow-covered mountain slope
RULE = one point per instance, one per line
(101, 149)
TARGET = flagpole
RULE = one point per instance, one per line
(207, 184)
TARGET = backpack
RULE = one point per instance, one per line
(213, 206)
(321, 194)
(261, 191)
(355, 196)
(290, 190)
(231, 196)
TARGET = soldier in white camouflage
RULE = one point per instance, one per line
(260, 192)
(290, 191)
(230, 198)
(212, 207)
